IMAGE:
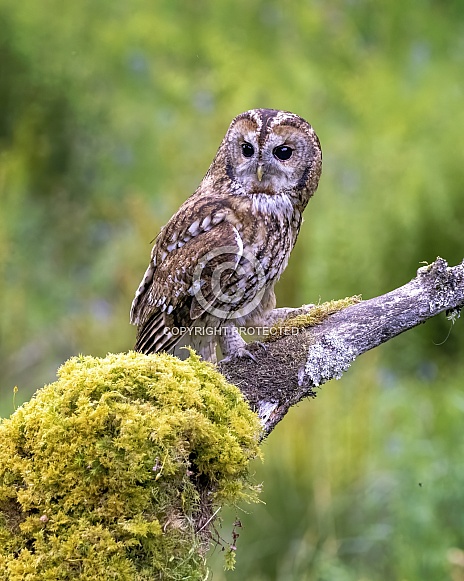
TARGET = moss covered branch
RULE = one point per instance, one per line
(305, 356)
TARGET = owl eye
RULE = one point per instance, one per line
(247, 149)
(282, 152)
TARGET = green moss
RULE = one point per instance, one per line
(112, 472)
(314, 317)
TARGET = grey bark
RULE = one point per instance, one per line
(291, 367)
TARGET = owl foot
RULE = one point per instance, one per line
(240, 353)
(233, 345)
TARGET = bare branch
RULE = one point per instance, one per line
(291, 367)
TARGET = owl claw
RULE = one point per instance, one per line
(240, 353)
(243, 352)
(261, 345)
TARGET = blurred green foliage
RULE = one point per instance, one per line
(110, 113)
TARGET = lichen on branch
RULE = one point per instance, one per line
(331, 336)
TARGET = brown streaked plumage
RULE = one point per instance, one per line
(215, 263)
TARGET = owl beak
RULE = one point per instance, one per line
(260, 172)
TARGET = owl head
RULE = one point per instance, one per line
(266, 151)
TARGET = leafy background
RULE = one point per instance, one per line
(110, 113)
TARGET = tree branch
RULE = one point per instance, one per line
(291, 367)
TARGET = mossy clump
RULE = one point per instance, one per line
(315, 316)
(113, 471)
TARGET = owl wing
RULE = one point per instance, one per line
(180, 285)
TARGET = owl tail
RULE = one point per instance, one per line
(155, 335)
(159, 334)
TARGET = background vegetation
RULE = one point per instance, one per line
(110, 113)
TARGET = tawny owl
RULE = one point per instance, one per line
(215, 263)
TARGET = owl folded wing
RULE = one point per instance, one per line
(201, 277)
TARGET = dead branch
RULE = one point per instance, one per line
(291, 367)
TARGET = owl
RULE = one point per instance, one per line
(214, 265)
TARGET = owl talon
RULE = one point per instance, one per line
(261, 345)
(239, 354)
